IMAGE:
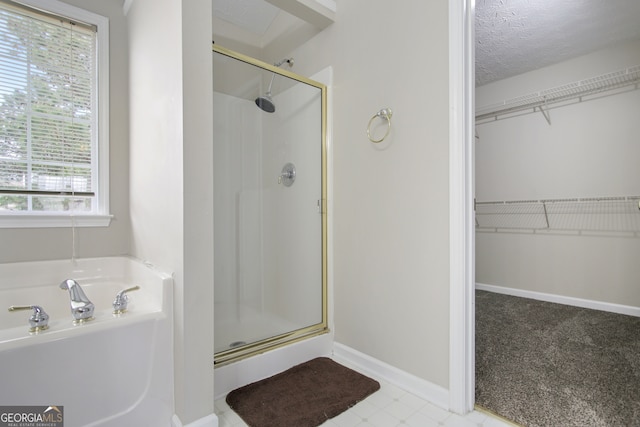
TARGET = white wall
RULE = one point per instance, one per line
(390, 235)
(171, 181)
(589, 150)
(197, 86)
(25, 244)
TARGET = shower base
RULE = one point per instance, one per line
(252, 369)
(238, 325)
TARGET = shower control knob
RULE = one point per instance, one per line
(287, 175)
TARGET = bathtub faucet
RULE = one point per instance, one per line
(81, 307)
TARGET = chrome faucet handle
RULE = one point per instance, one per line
(39, 320)
(121, 301)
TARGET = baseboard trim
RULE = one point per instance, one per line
(560, 299)
(376, 368)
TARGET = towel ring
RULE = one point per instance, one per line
(385, 114)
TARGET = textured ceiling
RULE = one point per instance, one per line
(516, 36)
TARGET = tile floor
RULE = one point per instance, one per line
(388, 407)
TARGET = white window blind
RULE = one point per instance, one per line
(48, 114)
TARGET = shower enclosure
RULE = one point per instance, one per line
(270, 226)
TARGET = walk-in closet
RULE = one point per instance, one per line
(557, 176)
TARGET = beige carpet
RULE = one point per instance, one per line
(544, 364)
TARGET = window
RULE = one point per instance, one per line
(53, 115)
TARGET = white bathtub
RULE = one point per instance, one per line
(110, 371)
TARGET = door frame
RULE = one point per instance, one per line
(461, 206)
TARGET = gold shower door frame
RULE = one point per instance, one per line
(234, 354)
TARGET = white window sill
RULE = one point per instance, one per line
(53, 221)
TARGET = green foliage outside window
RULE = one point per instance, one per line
(46, 107)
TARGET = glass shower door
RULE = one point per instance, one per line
(269, 192)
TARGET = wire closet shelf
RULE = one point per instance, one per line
(579, 215)
(627, 79)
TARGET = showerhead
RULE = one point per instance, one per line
(289, 61)
(265, 103)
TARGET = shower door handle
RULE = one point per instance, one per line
(287, 175)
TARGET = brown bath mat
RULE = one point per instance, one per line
(303, 396)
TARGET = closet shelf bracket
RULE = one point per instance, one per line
(546, 114)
